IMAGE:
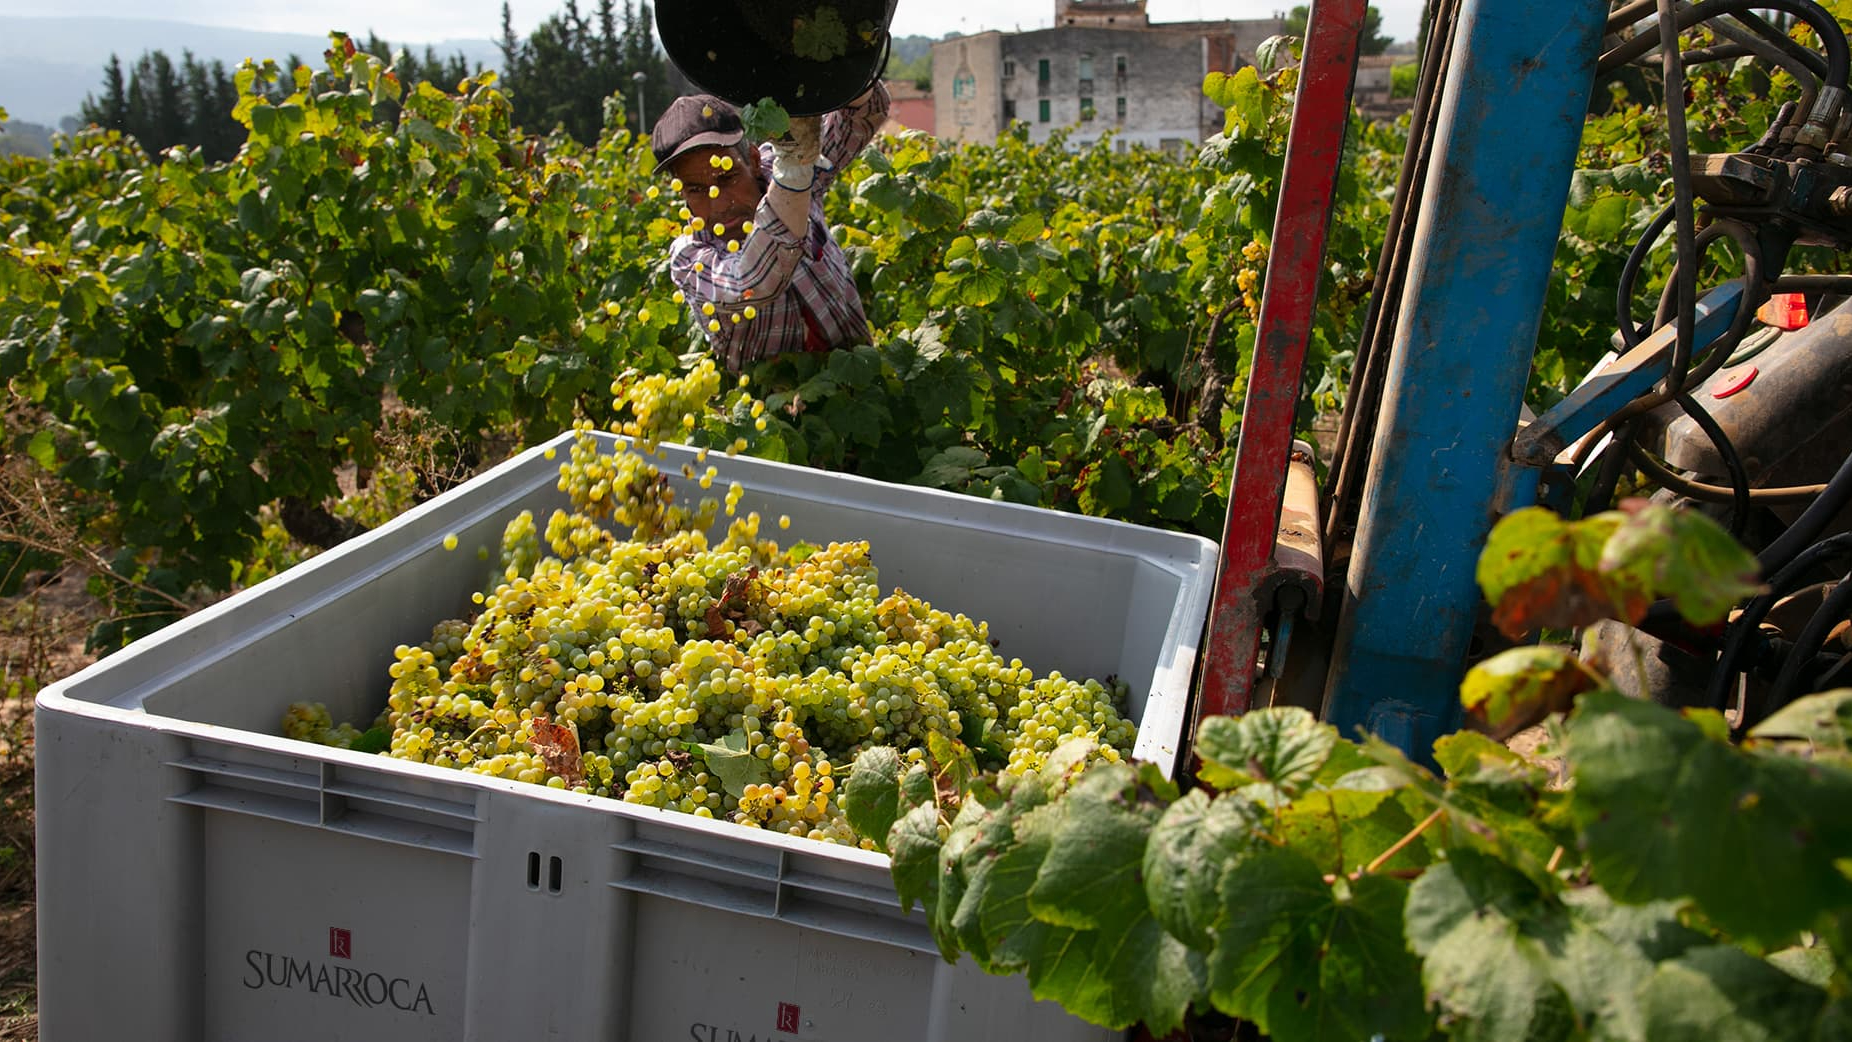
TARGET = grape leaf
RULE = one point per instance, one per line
(1823, 721)
(1016, 937)
(1191, 844)
(1482, 928)
(1690, 558)
(1493, 808)
(558, 747)
(1280, 746)
(916, 787)
(764, 120)
(729, 760)
(1150, 976)
(1090, 878)
(871, 796)
(991, 838)
(820, 37)
(373, 740)
(1344, 830)
(913, 847)
(1606, 957)
(1520, 686)
(1307, 960)
(1723, 992)
(1658, 795)
(1538, 570)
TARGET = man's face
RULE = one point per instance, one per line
(704, 170)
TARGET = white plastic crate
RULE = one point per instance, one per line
(202, 878)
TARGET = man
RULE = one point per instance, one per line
(759, 266)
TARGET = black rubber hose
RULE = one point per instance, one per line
(1807, 643)
(1807, 527)
(1732, 463)
(1812, 284)
(1684, 201)
(1745, 626)
(1832, 38)
(1631, 335)
(1760, 26)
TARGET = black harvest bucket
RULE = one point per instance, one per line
(810, 56)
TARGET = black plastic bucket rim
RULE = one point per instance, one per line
(741, 50)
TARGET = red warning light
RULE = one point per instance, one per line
(1784, 311)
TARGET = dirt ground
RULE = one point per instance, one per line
(41, 640)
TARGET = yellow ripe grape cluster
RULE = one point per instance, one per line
(731, 680)
(1247, 280)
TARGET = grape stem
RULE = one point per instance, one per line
(1396, 847)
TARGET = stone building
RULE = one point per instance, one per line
(1103, 67)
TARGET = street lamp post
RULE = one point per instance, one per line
(642, 119)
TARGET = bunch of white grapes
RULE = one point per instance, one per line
(732, 680)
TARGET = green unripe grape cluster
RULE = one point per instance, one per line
(732, 680)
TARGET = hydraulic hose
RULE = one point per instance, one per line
(1807, 527)
(1745, 625)
(1810, 640)
(1832, 38)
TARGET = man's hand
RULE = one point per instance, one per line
(794, 156)
(803, 142)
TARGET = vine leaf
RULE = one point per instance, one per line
(558, 747)
(913, 845)
(992, 833)
(1091, 877)
(1520, 686)
(1015, 936)
(1823, 721)
(1658, 795)
(1344, 830)
(1489, 808)
(1481, 928)
(1538, 570)
(1306, 960)
(1688, 557)
(764, 120)
(1724, 992)
(871, 796)
(1190, 846)
(1283, 747)
(736, 767)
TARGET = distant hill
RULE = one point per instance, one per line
(49, 65)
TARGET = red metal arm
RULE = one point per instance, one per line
(1314, 146)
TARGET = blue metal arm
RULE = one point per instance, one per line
(1516, 97)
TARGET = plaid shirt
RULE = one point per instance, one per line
(799, 286)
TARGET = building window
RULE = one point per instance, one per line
(1118, 66)
(1086, 66)
(1086, 110)
(1042, 111)
(1009, 109)
(1119, 109)
(1041, 71)
(1009, 67)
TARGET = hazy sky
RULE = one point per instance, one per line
(420, 21)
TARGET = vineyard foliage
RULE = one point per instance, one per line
(186, 343)
(1325, 889)
(193, 347)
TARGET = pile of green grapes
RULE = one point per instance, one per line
(733, 680)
